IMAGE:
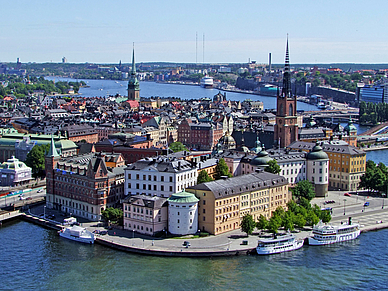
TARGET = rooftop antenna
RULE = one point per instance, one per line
(196, 47)
(203, 51)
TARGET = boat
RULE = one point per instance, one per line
(324, 234)
(207, 82)
(278, 244)
(77, 233)
(321, 105)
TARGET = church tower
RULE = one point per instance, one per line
(51, 159)
(286, 127)
(133, 83)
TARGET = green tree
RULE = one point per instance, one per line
(288, 220)
(272, 167)
(325, 216)
(304, 189)
(114, 215)
(247, 224)
(300, 220)
(262, 223)
(177, 147)
(274, 223)
(312, 218)
(35, 159)
(222, 169)
(203, 177)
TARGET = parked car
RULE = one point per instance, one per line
(29, 198)
(366, 203)
(186, 244)
(40, 190)
(347, 194)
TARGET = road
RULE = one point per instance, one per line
(34, 193)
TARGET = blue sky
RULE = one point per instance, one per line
(235, 31)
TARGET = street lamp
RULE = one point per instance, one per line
(344, 205)
(44, 212)
(133, 233)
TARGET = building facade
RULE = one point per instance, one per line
(14, 173)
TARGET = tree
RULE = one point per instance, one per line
(304, 189)
(262, 223)
(288, 220)
(222, 169)
(114, 215)
(177, 147)
(248, 224)
(272, 167)
(325, 216)
(35, 159)
(203, 177)
(274, 223)
(300, 220)
(312, 218)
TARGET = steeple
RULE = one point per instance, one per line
(52, 151)
(133, 83)
(286, 91)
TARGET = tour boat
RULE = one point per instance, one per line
(324, 234)
(278, 244)
(207, 82)
(77, 233)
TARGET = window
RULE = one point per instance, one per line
(162, 178)
(137, 176)
(137, 186)
(162, 188)
(144, 177)
(129, 176)
(170, 179)
(204, 202)
(204, 211)
(154, 187)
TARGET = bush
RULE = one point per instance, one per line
(203, 234)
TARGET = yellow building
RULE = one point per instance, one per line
(223, 203)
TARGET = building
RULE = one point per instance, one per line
(199, 135)
(182, 213)
(376, 93)
(159, 176)
(286, 127)
(347, 163)
(133, 83)
(145, 214)
(81, 132)
(83, 185)
(223, 203)
(14, 173)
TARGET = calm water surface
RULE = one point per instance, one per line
(34, 258)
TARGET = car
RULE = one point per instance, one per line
(186, 244)
(40, 190)
(366, 203)
(347, 194)
(21, 198)
(29, 198)
(41, 215)
(103, 232)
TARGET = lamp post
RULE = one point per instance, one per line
(133, 233)
(344, 205)
(44, 212)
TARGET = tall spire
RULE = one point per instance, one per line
(286, 92)
(52, 151)
(133, 61)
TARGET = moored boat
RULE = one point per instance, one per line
(278, 244)
(324, 234)
(207, 82)
(77, 233)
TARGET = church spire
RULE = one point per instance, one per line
(133, 83)
(52, 151)
(286, 92)
(133, 73)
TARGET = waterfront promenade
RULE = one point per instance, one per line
(372, 217)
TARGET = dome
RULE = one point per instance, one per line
(183, 197)
(311, 122)
(261, 159)
(227, 142)
(257, 149)
(350, 127)
(317, 153)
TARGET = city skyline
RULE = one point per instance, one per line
(103, 32)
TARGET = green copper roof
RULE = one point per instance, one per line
(317, 153)
(183, 197)
(52, 151)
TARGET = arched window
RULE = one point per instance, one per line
(281, 110)
(290, 110)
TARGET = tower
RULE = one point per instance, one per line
(51, 159)
(133, 83)
(286, 127)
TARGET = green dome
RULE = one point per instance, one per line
(261, 159)
(183, 197)
(350, 126)
(257, 149)
(317, 153)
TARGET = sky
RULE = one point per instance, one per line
(340, 31)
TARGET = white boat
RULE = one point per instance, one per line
(324, 234)
(77, 233)
(278, 244)
(207, 82)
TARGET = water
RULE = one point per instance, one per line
(34, 258)
(152, 89)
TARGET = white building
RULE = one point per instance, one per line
(160, 176)
(183, 213)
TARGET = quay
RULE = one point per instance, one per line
(371, 218)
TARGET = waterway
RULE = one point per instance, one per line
(34, 258)
(152, 89)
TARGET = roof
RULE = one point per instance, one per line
(153, 202)
(241, 184)
(183, 197)
(317, 153)
(328, 148)
(162, 164)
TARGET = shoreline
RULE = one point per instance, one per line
(223, 245)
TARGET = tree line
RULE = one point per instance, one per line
(372, 113)
(375, 177)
